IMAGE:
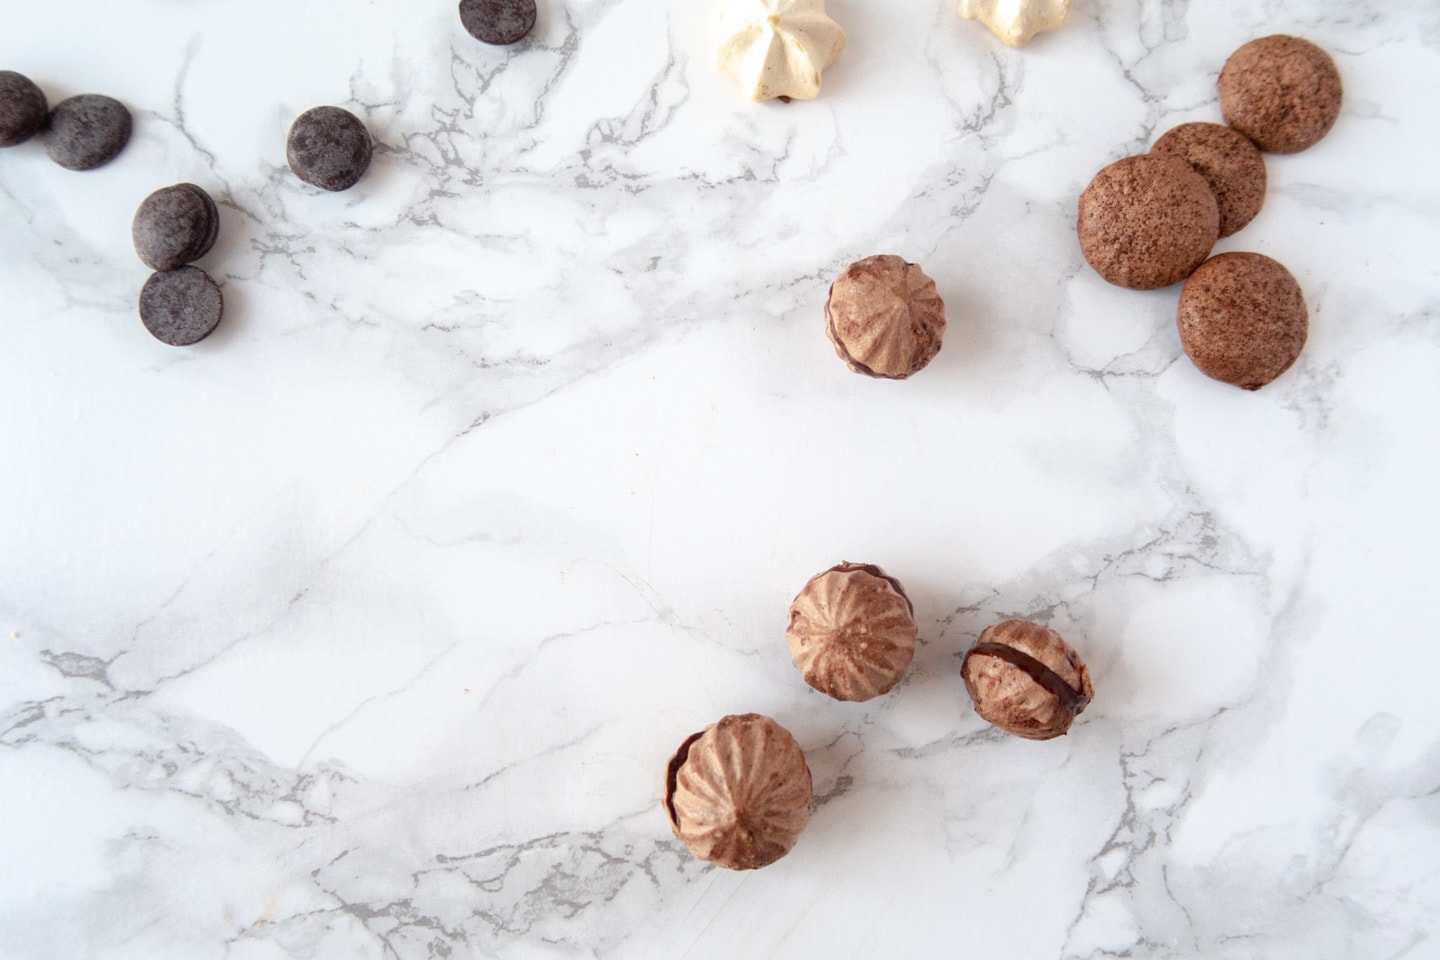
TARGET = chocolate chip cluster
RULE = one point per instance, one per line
(80, 133)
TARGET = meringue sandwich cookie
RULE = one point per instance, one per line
(852, 632)
(884, 317)
(777, 48)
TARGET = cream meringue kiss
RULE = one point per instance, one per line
(1016, 21)
(777, 48)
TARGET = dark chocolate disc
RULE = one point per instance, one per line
(22, 108)
(497, 22)
(328, 147)
(181, 306)
(87, 131)
(174, 226)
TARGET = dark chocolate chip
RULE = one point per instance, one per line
(87, 131)
(497, 22)
(175, 225)
(329, 148)
(181, 306)
(22, 108)
(210, 237)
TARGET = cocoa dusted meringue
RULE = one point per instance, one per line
(777, 48)
(884, 317)
(852, 631)
(1016, 21)
(738, 792)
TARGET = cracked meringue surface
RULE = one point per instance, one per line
(778, 48)
(1016, 21)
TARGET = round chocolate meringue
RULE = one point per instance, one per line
(852, 632)
(738, 792)
(884, 317)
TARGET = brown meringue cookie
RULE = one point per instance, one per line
(884, 317)
(1242, 319)
(1026, 680)
(1146, 222)
(852, 631)
(738, 792)
(1228, 161)
(1283, 92)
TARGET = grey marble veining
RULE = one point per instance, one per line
(365, 627)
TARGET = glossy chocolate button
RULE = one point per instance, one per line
(22, 108)
(87, 131)
(181, 306)
(497, 22)
(174, 226)
(328, 147)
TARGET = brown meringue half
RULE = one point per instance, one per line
(852, 632)
(885, 317)
(738, 792)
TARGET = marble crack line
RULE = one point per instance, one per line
(363, 705)
(550, 751)
(177, 105)
(80, 666)
(613, 131)
(950, 744)
(981, 117)
(193, 571)
(534, 653)
(21, 716)
(566, 51)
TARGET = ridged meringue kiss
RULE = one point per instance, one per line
(884, 317)
(738, 792)
(777, 48)
(852, 632)
(1016, 21)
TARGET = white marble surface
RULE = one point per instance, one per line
(365, 627)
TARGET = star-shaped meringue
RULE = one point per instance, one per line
(1016, 21)
(777, 48)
